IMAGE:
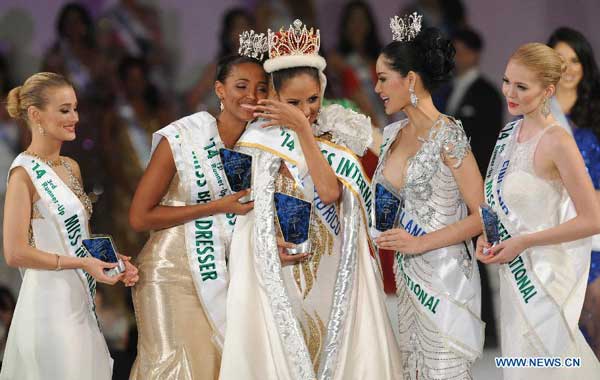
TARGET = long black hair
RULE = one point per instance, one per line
(372, 42)
(586, 111)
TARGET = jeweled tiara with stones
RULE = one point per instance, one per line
(253, 45)
(406, 28)
(294, 47)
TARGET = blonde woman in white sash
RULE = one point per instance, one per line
(319, 314)
(538, 185)
(426, 161)
(54, 332)
(183, 198)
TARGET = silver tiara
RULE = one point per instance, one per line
(406, 28)
(253, 45)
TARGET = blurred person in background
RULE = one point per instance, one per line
(446, 15)
(10, 144)
(357, 51)
(201, 96)
(75, 55)
(271, 14)
(139, 110)
(473, 99)
(133, 28)
(578, 98)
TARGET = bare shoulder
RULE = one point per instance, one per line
(19, 179)
(557, 140)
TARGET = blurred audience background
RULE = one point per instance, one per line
(139, 64)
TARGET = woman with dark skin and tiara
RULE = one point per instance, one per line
(182, 198)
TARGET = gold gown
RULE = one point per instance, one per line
(174, 332)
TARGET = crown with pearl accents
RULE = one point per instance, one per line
(253, 45)
(295, 47)
(406, 28)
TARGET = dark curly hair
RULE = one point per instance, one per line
(430, 54)
(586, 111)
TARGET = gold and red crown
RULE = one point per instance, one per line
(297, 40)
(296, 46)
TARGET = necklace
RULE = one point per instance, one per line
(51, 163)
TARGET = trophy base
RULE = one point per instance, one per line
(247, 198)
(299, 248)
(120, 268)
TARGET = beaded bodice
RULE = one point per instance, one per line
(429, 188)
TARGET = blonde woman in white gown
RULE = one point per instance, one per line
(54, 333)
(538, 185)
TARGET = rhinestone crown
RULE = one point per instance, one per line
(253, 45)
(405, 28)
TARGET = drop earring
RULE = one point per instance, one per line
(41, 130)
(545, 107)
(414, 100)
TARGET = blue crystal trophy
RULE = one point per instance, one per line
(102, 248)
(293, 216)
(238, 170)
(386, 210)
(490, 222)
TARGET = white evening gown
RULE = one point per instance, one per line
(53, 335)
(539, 204)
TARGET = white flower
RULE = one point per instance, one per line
(348, 128)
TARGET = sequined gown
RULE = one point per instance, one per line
(431, 193)
(589, 146)
(174, 333)
(53, 335)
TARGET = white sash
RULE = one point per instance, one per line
(550, 332)
(61, 206)
(195, 143)
(282, 142)
(463, 329)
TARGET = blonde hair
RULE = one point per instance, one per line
(32, 93)
(544, 61)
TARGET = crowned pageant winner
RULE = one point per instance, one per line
(322, 315)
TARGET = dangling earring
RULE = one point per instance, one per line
(221, 106)
(414, 100)
(545, 108)
(41, 130)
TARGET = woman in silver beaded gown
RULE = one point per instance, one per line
(426, 163)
